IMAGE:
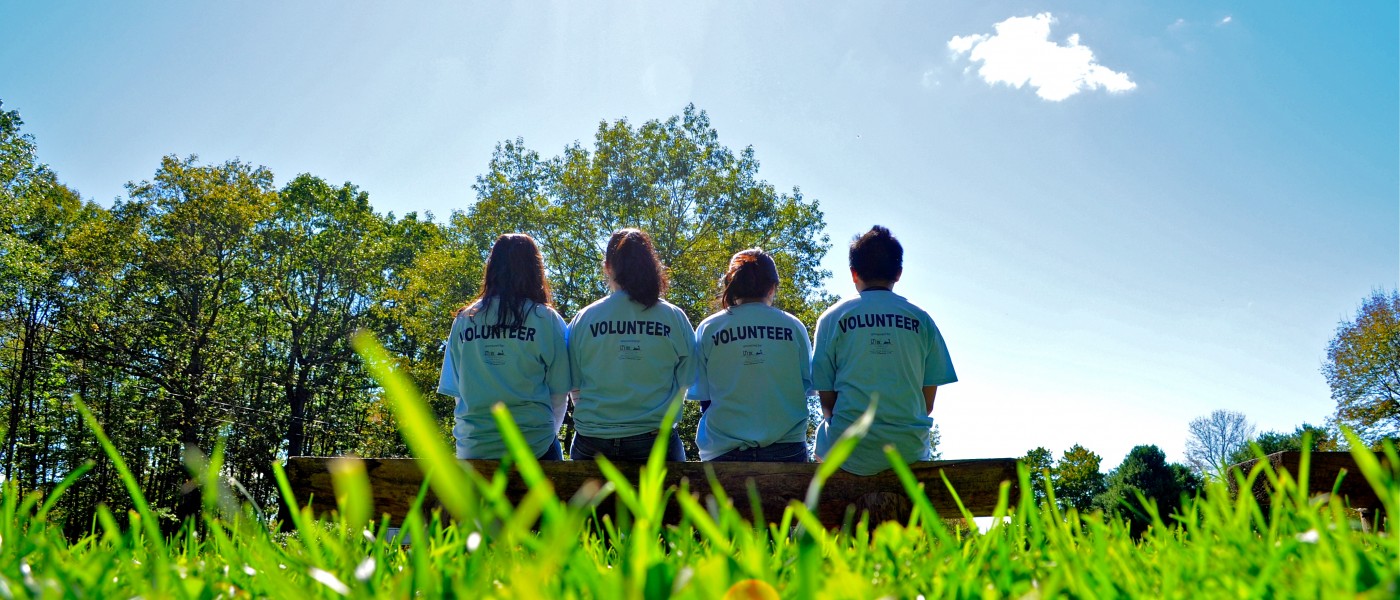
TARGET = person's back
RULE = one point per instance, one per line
(508, 347)
(753, 370)
(521, 367)
(626, 357)
(632, 355)
(878, 348)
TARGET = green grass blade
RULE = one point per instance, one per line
(419, 429)
(839, 452)
(133, 489)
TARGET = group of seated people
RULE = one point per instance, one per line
(628, 356)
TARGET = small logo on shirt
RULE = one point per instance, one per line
(881, 343)
(629, 350)
(494, 354)
(753, 354)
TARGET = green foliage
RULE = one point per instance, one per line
(1146, 474)
(1040, 464)
(1363, 369)
(1078, 478)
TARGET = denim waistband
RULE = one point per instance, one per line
(625, 438)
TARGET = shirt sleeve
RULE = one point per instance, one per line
(684, 340)
(557, 363)
(700, 389)
(447, 380)
(570, 342)
(806, 345)
(824, 358)
(938, 367)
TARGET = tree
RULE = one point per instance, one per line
(1145, 471)
(700, 201)
(1078, 479)
(1041, 464)
(321, 257)
(1214, 438)
(1363, 368)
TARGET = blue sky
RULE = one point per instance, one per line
(1180, 234)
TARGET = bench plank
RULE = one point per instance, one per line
(395, 483)
(1323, 470)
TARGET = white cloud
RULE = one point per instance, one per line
(1021, 53)
(1227, 20)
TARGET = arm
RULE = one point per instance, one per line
(828, 400)
(560, 405)
(929, 391)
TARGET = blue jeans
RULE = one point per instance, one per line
(555, 452)
(633, 448)
(780, 452)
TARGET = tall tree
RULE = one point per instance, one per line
(183, 316)
(1363, 368)
(321, 265)
(1078, 479)
(1214, 438)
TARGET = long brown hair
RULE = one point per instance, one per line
(752, 274)
(513, 278)
(635, 267)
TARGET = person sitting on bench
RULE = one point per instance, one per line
(632, 354)
(508, 346)
(753, 371)
(878, 348)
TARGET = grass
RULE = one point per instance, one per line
(551, 547)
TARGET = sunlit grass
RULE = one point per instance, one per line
(550, 547)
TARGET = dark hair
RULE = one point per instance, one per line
(514, 276)
(751, 276)
(635, 266)
(877, 256)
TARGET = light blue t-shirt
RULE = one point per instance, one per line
(519, 366)
(629, 363)
(754, 367)
(879, 344)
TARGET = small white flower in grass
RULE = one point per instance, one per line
(369, 536)
(473, 541)
(329, 580)
(365, 570)
(249, 571)
(1309, 537)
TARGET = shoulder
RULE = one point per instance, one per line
(596, 306)
(840, 308)
(546, 313)
(788, 318)
(714, 320)
(675, 311)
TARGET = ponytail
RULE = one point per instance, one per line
(751, 276)
(635, 267)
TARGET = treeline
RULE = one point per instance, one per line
(1075, 480)
(210, 307)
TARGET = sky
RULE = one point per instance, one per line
(1122, 216)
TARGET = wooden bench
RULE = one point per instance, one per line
(1324, 468)
(395, 483)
